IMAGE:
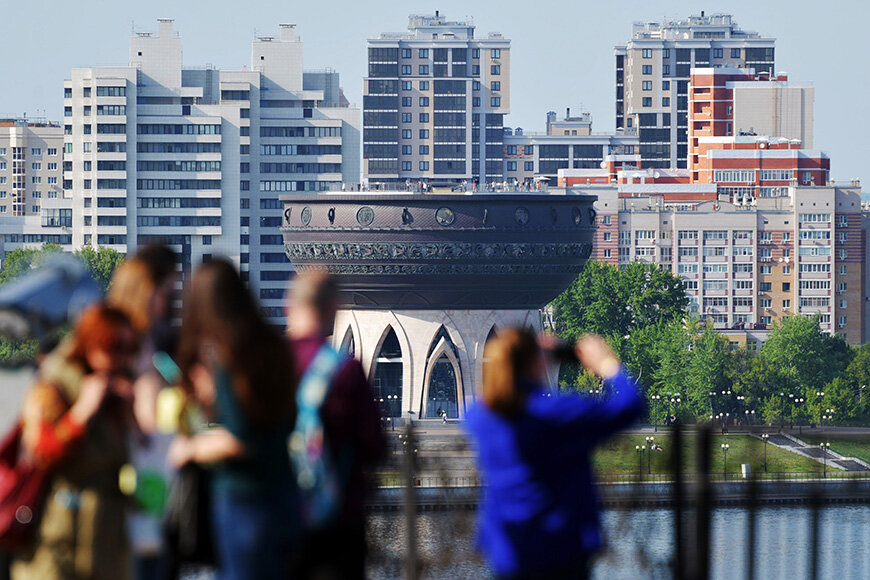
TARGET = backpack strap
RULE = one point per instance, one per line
(315, 383)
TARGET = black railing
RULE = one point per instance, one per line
(682, 524)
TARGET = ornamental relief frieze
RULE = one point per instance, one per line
(435, 251)
(442, 269)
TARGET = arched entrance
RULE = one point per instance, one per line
(387, 381)
(442, 392)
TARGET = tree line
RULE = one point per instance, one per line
(799, 375)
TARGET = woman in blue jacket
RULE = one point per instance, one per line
(540, 518)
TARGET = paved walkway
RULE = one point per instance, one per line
(833, 459)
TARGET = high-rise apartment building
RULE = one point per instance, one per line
(196, 157)
(434, 103)
(653, 73)
(743, 265)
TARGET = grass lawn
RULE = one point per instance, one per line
(846, 445)
(618, 455)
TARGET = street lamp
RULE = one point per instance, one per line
(825, 447)
(861, 398)
(820, 395)
(725, 447)
(655, 399)
(781, 411)
(765, 437)
(828, 416)
(649, 444)
(640, 449)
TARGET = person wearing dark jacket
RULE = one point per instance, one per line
(539, 518)
(352, 433)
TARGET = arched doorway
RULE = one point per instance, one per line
(347, 344)
(442, 389)
(387, 380)
(444, 377)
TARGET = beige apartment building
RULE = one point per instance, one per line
(747, 265)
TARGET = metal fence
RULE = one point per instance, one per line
(680, 524)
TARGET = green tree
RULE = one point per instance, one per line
(857, 378)
(101, 263)
(709, 369)
(611, 301)
(21, 260)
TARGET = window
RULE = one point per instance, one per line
(765, 303)
(407, 102)
(689, 235)
(406, 69)
(495, 101)
(475, 53)
(406, 53)
(842, 286)
(647, 69)
(475, 101)
(666, 53)
(666, 85)
(423, 69)
(786, 236)
(406, 166)
(607, 253)
(764, 286)
(844, 303)
(646, 53)
(529, 166)
(735, 53)
(406, 85)
(407, 117)
(687, 268)
(843, 236)
(734, 175)
(843, 270)
(424, 166)
(786, 269)
(806, 218)
(786, 304)
(666, 69)
(511, 165)
(666, 101)
(495, 53)
(424, 101)
(495, 86)
(424, 150)
(111, 110)
(717, 53)
(111, 91)
(424, 133)
(495, 69)
(424, 85)
(647, 85)
(423, 53)
(406, 149)
(424, 117)
(406, 133)
(647, 101)
(841, 322)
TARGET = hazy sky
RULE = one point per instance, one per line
(562, 50)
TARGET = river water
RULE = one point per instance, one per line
(640, 544)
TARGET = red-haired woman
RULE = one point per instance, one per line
(76, 429)
(242, 372)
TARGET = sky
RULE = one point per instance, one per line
(562, 50)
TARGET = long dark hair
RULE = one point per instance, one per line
(218, 309)
(509, 358)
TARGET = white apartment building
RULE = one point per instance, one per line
(434, 103)
(196, 157)
(33, 210)
(652, 77)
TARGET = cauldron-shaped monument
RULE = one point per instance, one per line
(427, 278)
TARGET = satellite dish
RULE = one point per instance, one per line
(603, 164)
(657, 174)
(762, 145)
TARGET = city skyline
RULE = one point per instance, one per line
(338, 42)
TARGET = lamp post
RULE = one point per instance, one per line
(820, 395)
(649, 445)
(655, 404)
(781, 411)
(824, 447)
(725, 447)
(640, 449)
(828, 416)
(765, 437)
(861, 398)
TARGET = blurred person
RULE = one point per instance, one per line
(539, 518)
(241, 372)
(352, 431)
(143, 287)
(76, 430)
